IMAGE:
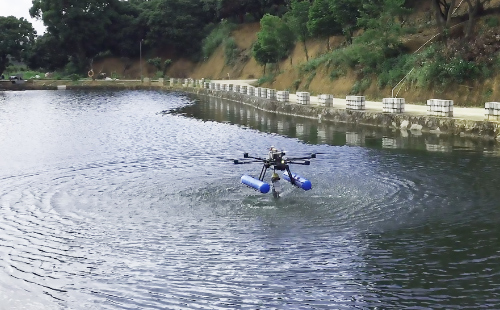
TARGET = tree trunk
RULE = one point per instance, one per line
(438, 14)
(3, 63)
(305, 50)
(475, 6)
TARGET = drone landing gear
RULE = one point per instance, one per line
(276, 185)
(277, 162)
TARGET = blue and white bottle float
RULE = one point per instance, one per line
(298, 180)
(254, 183)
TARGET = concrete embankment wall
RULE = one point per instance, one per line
(423, 123)
(406, 121)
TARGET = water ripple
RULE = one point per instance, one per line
(107, 203)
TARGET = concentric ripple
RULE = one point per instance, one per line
(130, 200)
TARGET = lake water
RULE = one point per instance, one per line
(130, 200)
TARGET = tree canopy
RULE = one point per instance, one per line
(16, 38)
(80, 30)
(322, 21)
(274, 40)
(81, 25)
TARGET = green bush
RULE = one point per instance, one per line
(73, 77)
(216, 37)
(268, 78)
(360, 86)
(492, 22)
(231, 51)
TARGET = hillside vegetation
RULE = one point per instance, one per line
(469, 82)
(445, 49)
(296, 73)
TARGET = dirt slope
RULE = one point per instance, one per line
(318, 82)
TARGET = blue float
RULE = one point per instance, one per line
(255, 183)
(298, 180)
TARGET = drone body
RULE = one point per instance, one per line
(278, 162)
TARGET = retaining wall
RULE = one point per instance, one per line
(423, 123)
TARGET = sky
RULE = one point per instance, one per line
(20, 8)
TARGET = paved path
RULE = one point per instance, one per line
(475, 114)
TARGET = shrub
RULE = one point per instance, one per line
(231, 51)
(216, 37)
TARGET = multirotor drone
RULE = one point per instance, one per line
(277, 161)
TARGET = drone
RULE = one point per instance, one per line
(277, 161)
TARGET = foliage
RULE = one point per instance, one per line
(231, 51)
(360, 86)
(322, 22)
(274, 40)
(297, 18)
(346, 13)
(16, 37)
(80, 24)
(159, 65)
(267, 78)
(492, 22)
(175, 23)
(239, 8)
(47, 53)
(216, 37)
(437, 70)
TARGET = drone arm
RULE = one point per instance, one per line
(241, 162)
(303, 158)
(305, 163)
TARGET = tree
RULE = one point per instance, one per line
(80, 25)
(274, 41)
(474, 8)
(443, 10)
(346, 14)
(161, 67)
(381, 38)
(127, 28)
(256, 8)
(16, 38)
(297, 19)
(322, 21)
(176, 23)
(47, 53)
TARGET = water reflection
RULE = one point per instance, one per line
(107, 203)
(324, 132)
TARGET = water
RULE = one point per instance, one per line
(130, 200)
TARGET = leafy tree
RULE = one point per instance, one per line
(80, 25)
(322, 22)
(16, 38)
(127, 28)
(175, 23)
(159, 65)
(274, 41)
(297, 18)
(382, 25)
(346, 13)
(47, 53)
(256, 8)
(381, 39)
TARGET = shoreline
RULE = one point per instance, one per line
(466, 122)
